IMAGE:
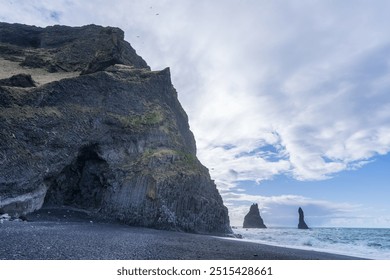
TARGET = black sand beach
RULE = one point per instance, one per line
(66, 235)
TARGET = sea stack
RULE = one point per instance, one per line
(253, 218)
(85, 123)
(301, 224)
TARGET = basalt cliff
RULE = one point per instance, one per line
(85, 123)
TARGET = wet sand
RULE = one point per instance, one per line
(70, 236)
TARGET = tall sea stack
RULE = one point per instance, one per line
(301, 224)
(253, 218)
(85, 123)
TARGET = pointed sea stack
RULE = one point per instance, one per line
(302, 224)
(253, 218)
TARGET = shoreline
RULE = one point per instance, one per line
(316, 252)
(80, 241)
(76, 236)
(365, 243)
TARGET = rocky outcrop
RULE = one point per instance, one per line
(63, 48)
(301, 224)
(19, 80)
(253, 218)
(114, 141)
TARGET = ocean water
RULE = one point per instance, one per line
(371, 243)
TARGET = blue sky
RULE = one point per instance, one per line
(288, 100)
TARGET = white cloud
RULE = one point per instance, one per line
(316, 89)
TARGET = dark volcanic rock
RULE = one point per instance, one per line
(253, 218)
(114, 141)
(19, 80)
(66, 48)
(302, 224)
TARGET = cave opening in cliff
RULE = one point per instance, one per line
(81, 184)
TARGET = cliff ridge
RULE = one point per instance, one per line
(96, 129)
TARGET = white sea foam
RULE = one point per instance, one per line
(359, 242)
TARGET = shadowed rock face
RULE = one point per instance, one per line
(63, 48)
(301, 224)
(19, 80)
(253, 218)
(114, 140)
